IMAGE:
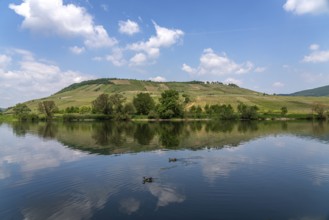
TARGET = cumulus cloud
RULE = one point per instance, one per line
(138, 59)
(234, 81)
(158, 79)
(260, 69)
(77, 50)
(278, 84)
(116, 58)
(29, 78)
(4, 61)
(151, 48)
(300, 7)
(317, 55)
(314, 47)
(128, 27)
(64, 20)
(218, 65)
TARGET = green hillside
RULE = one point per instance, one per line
(320, 91)
(82, 94)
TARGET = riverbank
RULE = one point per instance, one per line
(137, 118)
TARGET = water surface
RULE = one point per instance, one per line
(266, 170)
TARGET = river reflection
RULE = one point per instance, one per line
(119, 137)
(223, 170)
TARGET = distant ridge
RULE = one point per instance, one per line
(316, 92)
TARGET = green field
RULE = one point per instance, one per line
(82, 94)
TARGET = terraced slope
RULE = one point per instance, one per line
(82, 94)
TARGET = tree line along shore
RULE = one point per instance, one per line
(170, 106)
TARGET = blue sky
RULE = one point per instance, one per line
(275, 46)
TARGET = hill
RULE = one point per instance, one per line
(320, 91)
(82, 94)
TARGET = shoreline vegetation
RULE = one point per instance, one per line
(171, 106)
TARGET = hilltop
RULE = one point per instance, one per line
(82, 94)
(320, 91)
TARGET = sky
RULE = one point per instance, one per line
(273, 46)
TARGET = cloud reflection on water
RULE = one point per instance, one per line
(30, 154)
(166, 194)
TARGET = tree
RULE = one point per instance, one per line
(222, 112)
(84, 110)
(207, 109)
(21, 111)
(319, 109)
(102, 104)
(170, 105)
(48, 108)
(187, 98)
(116, 101)
(284, 110)
(72, 109)
(196, 111)
(226, 112)
(248, 112)
(143, 103)
(125, 112)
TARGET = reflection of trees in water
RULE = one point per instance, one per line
(48, 130)
(110, 137)
(20, 128)
(144, 133)
(196, 126)
(113, 133)
(318, 128)
(170, 133)
(220, 126)
(284, 125)
(245, 126)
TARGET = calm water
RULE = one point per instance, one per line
(268, 170)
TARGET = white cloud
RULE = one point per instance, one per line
(97, 58)
(218, 65)
(29, 78)
(151, 48)
(4, 61)
(188, 69)
(316, 56)
(278, 84)
(260, 69)
(138, 59)
(128, 27)
(105, 7)
(300, 7)
(64, 20)
(158, 79)
(314, 47)
(116, 58)
(77, 50)
(234, 81)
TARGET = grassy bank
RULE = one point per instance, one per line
(7, 118)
